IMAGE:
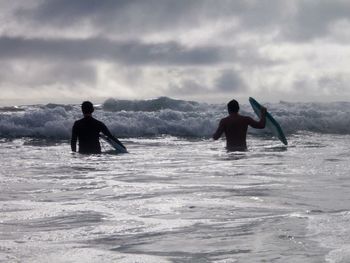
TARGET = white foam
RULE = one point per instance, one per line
(332, 232)
(167, 116)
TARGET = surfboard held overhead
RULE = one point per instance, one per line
(271, 123)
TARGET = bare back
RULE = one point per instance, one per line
(235, 127)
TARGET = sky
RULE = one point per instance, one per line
(66, 51)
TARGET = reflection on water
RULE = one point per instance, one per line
(176, 200)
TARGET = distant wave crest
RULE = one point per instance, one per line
(166, 116)
(151, 105)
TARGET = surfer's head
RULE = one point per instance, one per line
(87, 107)
(233, 106)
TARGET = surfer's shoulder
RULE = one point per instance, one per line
(78, 121)
(225, 119)
(100, 123)
(244, 119)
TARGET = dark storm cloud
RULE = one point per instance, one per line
(142, 16)
(230, 81)
(294, 20)
(126, 52)
(114, 15)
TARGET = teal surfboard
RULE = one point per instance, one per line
(271, 123)
(112, 143)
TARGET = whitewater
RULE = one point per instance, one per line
(177, 196)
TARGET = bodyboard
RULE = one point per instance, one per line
(116, 146)
(271, 123)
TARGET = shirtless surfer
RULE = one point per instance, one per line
(235, 127)
(87, 131)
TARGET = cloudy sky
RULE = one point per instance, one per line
(204, 50)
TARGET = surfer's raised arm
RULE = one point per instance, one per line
(262, 122)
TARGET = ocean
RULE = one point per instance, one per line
(177, 196)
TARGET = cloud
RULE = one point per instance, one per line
(230, 81)
(114, 16)
(209, 82)
(33, 74)
(313, 19)
(334, 83)
(296, 20)
(188, 87)
(175, 48)
(127, 52)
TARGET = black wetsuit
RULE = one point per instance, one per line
(87, 131)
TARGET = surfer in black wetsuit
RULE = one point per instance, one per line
(235, 127)
(87, 131)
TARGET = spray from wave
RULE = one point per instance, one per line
(166, 116)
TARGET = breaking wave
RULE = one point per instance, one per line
(166, 116)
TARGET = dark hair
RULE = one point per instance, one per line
(87, 107)
(233, 106)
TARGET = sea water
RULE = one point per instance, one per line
(177, 196)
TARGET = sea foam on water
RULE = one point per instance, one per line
(177, 196)
(165, 116)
